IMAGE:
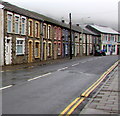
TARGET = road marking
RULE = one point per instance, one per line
(75, 64)
(69, 106)
(83, 61)
(6, 87)
(103, 76)
(62, 69)
(75, 106)
(1, 71)
(39, 77)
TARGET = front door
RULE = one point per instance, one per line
(55, 51)
(30, 55)
(8, 51)
(44, 51)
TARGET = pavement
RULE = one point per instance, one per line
(106, 100)
(41, 63)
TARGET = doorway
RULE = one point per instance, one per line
(30, 50)
(8, 52)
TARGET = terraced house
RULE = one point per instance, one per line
(27, 36)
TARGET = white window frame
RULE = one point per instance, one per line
(22, 17)
(9, 13)
(23, 46)
(105, 37)
(18, 16)
(112, 38)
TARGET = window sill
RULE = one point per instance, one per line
(19, 54)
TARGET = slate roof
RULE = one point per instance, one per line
(37, 16)
(104, 29)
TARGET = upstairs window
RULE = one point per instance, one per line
(37, 32)
(30, 28)
(106, 38)
(112, 38)
(9, 22)
(49, 32)
(55, 33)
(45, 30)
(23, 25)
(59, 33)
(17, 19)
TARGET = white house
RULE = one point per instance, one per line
(108, 38)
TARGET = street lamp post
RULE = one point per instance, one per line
(70, 37)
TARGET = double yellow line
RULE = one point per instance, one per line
(72, 106)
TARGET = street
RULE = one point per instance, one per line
(49, 89)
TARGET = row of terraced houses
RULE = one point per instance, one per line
(27, 36)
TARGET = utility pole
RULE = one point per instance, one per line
(70, 37)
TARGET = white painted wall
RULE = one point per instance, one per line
(1, 36)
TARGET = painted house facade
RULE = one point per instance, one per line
(27, 37)
(31, 37)
(108, 38)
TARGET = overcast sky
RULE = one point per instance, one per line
(103, 12)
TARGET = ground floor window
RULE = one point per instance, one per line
(105, 48)
(20, 46)
(113, 48)
(59, 48)
(37, 49)
(49, 49)
(66, 49)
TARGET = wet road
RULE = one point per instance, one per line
(52, 87)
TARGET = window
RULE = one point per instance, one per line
(59, 48)
(105, 38)
(49, 49)
(20, 46)
(113, 48)
(55, 32)
(37, 26)
(112, 38)
(105, 48)
(66, 49)
(30, 27)
(23, 25)
(118, 38)
(37, 49)
(9, 22)
(17, 19)
(44, 30)
(49, 31)
(59, 33)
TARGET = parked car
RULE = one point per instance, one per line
(100, 53)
